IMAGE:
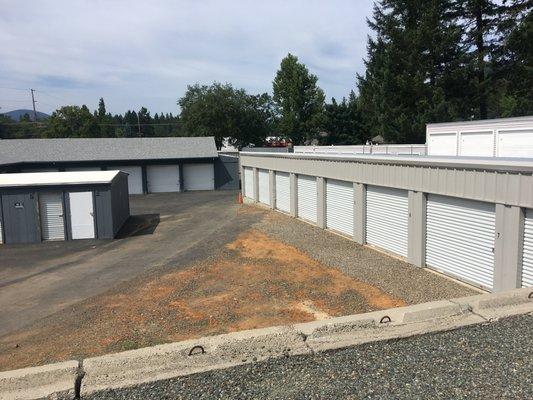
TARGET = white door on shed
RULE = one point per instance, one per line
(264, 186)
(442, 144)
(527, 256)
(51, 215)
(163, 178)
(517, 143)
(340, 206)
(81, 215)
(387, 213)
(248, 182)
(199, 176)
(283, 191)
(460, 238)
(477, 144)
(135, 178)
(307, 197)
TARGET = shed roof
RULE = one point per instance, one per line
(105, 149)
(57, 178)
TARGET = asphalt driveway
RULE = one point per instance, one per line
(40, 279)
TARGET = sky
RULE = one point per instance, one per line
(141, 53)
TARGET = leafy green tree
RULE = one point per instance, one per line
(222, 111)
(72, 121)
(343, 122)
(299, 100)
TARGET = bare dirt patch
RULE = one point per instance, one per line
(255, 282)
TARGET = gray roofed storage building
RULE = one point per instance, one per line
(105, 149)
(155, 164)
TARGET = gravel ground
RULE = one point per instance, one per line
(491, 361)
(390, 274)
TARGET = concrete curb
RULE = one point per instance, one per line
(39, 382)
(223, 351)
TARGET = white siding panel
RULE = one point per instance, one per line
(460, 238)
(387, 212)
(307, 197)
(248, 182)
(527, 257)
(442, 144)
(199, 176)
(283, 191)
(264, 186)
(477, 144)
(51, 214)
(339, 206)
(518, 143)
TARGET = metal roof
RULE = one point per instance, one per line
(57, 178)
(483, 163)
(105, 149)
(496, 121)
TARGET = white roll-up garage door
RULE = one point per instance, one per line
(460, 238)
(199, 176)
(51, 215)
(163, 178)
(339, 206)
(307, 197)
(249, 183)
(264, 186)
(527, 258)
(387, 213)
(135, 178)
(283, 191)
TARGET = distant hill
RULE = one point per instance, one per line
(16, 114)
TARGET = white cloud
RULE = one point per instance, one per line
(136, 53)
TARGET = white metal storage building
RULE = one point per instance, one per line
(153, 165)
(504, 137)
(469, 218)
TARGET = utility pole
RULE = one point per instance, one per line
(139, 125)
(33, 101)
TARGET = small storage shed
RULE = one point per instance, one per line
(42, 206)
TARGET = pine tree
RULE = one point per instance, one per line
(414, 70)
(299, 99)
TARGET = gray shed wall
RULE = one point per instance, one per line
(120, 205)
(227, 173)
(22, 225)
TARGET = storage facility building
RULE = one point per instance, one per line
(159, 164)
(43, 206)
(504, 137)
(469, 218)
